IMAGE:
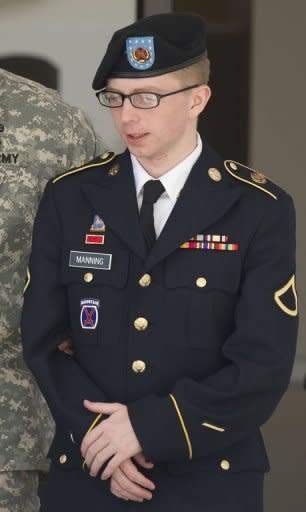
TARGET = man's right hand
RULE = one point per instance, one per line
(128, 483)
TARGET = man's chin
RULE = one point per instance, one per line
(138, 152)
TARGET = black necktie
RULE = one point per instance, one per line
(152, 190)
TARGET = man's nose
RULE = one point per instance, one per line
(128, 112)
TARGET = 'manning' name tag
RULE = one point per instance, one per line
(90, 260)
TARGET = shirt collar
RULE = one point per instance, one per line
(174, 179)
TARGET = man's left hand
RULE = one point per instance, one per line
(113, 438)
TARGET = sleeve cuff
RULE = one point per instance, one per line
(160, 428)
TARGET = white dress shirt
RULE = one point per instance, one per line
(173, 182)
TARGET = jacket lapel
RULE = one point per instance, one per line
(201, 203)
(114, 200)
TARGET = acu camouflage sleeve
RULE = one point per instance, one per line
(85, 143)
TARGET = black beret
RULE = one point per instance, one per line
(153, 46)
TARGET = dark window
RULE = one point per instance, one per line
(33, 68)
(225, 122)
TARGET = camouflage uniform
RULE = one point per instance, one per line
(40, 135)
(18, 491)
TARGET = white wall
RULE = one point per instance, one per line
(73, 34)
(278, 114)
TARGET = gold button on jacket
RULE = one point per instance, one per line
(88, 277)
(63, 458)
(141, 324)
(201, 282)
(145, 280)
(234, 166)
(139, 366)
(214, 174)
(225, 465)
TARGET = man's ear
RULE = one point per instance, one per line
(200, 98)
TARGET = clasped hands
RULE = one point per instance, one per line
(114, 440)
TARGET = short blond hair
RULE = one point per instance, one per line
(198, 73)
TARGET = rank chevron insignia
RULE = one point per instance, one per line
(282, 292)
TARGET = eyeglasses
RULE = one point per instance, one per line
(115, 99)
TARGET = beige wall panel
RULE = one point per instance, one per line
(278, 115)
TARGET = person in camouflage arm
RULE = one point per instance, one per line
(40, 135)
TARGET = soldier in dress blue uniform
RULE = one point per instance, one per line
(174, 271)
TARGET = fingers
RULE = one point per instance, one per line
(131, 472)
(127, 489)
(67, 342)
(120, 493)
(112, 465)
(140, 459)
(100, 459)
(90, 438)
(106, 408)
(97, 456)
(93, 406)
(66, 347)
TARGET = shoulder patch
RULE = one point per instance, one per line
(247, 175)
(104, 159)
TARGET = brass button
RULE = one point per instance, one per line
(214, 174)
(63, 458)
(72, 437)
(201, 282)
(105, 155)
(258, 177)
(145, 280)
(88, 277)
(225, 465)
(233, 166)
(114, 170)
(139, 366)
(141, 324)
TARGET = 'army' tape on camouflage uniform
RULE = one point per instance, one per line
(40, 136)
